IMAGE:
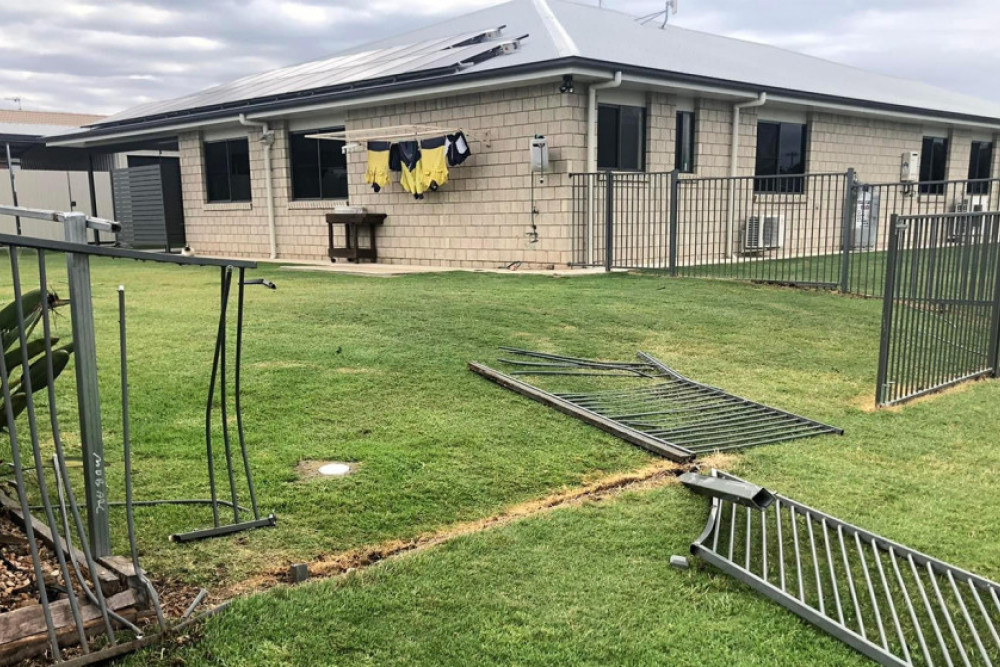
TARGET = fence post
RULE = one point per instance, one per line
(85, 354)
(609, 220)
(888, 302)
(994, 351)
(847, 218)
(675, 189)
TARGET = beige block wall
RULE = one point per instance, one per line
(480, 218)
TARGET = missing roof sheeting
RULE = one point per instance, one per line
(651, 405)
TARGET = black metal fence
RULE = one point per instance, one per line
(821, 230)
(941, 309)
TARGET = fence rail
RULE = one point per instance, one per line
(52, 491)
(941, 309)
(823, 230)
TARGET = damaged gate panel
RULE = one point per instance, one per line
(649, 404)
(893, 604)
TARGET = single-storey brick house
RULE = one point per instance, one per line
(606, 93)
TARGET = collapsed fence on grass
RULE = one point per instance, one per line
(649, 404)
(892, 603)
(826, 230)
(87, 600)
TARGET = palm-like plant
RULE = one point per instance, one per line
(10, 346)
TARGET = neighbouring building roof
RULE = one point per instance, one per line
(33, 125)
(557, 33)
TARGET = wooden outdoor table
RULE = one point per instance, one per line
(353, 224)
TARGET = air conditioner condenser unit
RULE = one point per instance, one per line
(763, 233)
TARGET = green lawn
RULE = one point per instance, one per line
(373, 371)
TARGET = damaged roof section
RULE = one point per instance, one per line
(649, 404)
(893, 604)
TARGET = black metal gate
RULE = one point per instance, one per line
(941, 308)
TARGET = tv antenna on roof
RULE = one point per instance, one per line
(15, 100)
(669, 9)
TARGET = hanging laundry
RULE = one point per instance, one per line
(409, 157)
(377, 174)
(434, 164)
(394, 162)
(457, 148)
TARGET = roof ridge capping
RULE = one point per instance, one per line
(564, 44)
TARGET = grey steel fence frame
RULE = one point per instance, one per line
(941, 308)
(94, 538)
(826, 230)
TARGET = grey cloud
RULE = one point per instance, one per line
(133, 54)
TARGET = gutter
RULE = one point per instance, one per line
(734, 156)
(359, 94)
(591, 147)
(267, 139)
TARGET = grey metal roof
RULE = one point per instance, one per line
(565, 31)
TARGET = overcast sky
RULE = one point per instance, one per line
(107, 55)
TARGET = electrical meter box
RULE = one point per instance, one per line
(539, 153)
(909, 167)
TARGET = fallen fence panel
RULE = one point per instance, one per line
(651, 405)
(892, 603)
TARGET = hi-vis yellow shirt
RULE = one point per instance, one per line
(377, 174)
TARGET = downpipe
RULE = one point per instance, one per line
(267, 139)
(734, 155)
(592, 89)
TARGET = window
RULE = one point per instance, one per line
(319, 166)
(980, 166)
(781, 154)
(227, 170)
(621, 137)
(684, 145)
(933, 163)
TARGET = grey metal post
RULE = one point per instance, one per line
(92, 189)
(994, 350)
(13, 190)
(888, 301)
(85, 353)
(675, 189)
(609, 220)
(847, 217)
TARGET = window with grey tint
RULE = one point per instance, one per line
(319, 166)
(980, 166)
(684, 146)
(227, 170)
(781, 157)
(933, 165)
(621, 137)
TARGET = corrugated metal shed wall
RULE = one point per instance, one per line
(148, 204)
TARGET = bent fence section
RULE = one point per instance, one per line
(76, 599)
(941, 309)
(820, 230)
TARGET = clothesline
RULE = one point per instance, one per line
(389, 133)
(396, 132)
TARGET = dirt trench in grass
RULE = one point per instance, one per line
(655, 475)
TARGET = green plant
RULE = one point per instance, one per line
(13, 355)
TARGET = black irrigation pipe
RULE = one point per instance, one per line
(127, 442)
(237, 389)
